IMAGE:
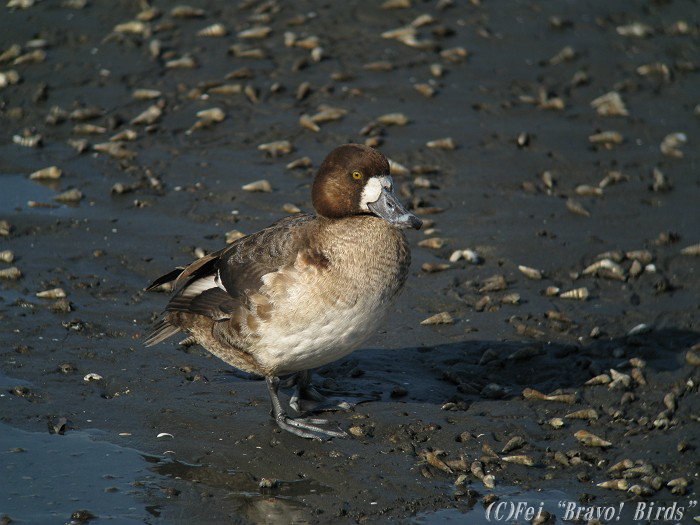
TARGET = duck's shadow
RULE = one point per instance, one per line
(466, 371)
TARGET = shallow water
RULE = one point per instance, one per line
(47, 477)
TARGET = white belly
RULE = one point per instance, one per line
(326, 338)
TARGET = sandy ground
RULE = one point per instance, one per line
(171, 435)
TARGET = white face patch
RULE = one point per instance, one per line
(373, 189)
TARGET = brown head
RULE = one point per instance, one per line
(355, 180)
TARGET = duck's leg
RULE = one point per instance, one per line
(302, 427)
(307, 398)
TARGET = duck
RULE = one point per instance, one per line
(307, 290)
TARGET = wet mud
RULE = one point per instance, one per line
(551, 149)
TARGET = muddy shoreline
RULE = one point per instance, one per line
(538, 177)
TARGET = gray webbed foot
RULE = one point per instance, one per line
(303, 427)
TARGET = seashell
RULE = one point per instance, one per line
(85, 113)
(619, 379)
(393, 119)
(577, 208)
(145, 94)
(397, 169)
(234, 235)
(305, 121)
(586, 413)
(621, 465)
(381, 65)
(531, 393)
(255, 32)
(434, 243)
(213, 30)
(303, 162)
(303, 90)
(146, 15)
(489, 481)
(671, 143)
(317, 54)
(276, 148)
(692, 356)
(657, 68)
(423, 182)
(54, 293)
(433, 460)
(92, 376)
(580, 294)
(424, 89)
(149, 116)
(212, 114)
(11, 274)
(606, 138)
(613, 177)
(309, 42)
(288, 207)
(184, 62)
(50, 173)
(154, 48)
(494, 283)
(513, 443)
(511, 298)
(638, 376)
(643, 256)
(240, 51)
(615, 484)
(477, 469)
(605, 268)
(635, 29)
(9, 78)
(440, 318)
(669, 401)
(678, 486)
(261, 185)
(584, 190)
(454, 54)
(566, 54)
(226, 89)
(126, 135)
(10, 53)
(556, 422)
(434, 267)
(69, 196)
(610, 105)
(328, 113)
(437, 70)
(79, 145)
(530, 273)
(115, 149)
(134, 27)
(396, 4)
(5, 228)
(591, 440)
(186, 11)
(552, 291)
(445, 143)
(660, 182)
(28, 141)
(601, 379)
(7, 256)
(251, 93)
(85, 128)
(290, 38)
(640, 490)
(469, 255)
(519, 460)
(38, 55)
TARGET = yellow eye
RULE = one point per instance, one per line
(356, 175)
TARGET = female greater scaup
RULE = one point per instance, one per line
(305, 291)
